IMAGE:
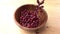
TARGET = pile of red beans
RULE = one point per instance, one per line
(29, 19)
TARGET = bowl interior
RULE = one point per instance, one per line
(29, 7)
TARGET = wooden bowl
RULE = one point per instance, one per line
(41, 13)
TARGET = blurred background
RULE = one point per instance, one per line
(8, 7)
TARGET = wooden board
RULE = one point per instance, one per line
(7, 23)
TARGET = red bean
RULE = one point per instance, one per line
(28, 25)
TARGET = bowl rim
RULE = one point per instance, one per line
(25, 28)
